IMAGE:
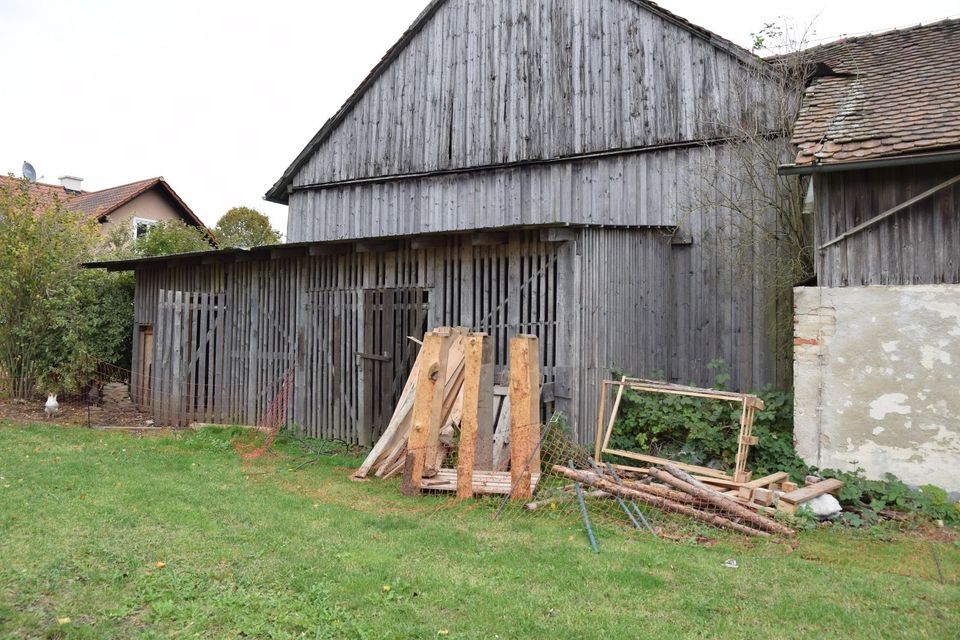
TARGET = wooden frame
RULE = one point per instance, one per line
(745, 438)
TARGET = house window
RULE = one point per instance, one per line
(141, 226)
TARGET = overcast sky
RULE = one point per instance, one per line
(219, 97)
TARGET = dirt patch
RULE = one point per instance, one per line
(75, 412)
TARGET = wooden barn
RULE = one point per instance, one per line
(522, 166)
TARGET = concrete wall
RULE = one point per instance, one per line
(877, 381)
(150, 205)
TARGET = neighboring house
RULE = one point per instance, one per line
(137, 206)
(877, 343)
(513, 167)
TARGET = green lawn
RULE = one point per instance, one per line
(262, 550)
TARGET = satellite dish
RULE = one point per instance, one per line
(29, 172)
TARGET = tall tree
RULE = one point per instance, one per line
(171, 237)
(41, 248)
(245, 227)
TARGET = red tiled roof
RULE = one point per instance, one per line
(45, 194)
(890, 94)
(99, 204)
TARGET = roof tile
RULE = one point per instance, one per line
(891, 93)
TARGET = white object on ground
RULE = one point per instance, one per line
(51, 406)
(824, 507)
(731, 564)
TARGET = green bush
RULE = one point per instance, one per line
(863, 500)
(704, 432)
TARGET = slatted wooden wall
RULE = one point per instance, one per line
(321, 315)
(920, 245)
(494, 81)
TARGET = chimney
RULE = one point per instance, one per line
(71, 184)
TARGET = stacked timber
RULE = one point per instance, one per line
(387, 457)
(678, 492)
(450, 403)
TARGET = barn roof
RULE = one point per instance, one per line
(882, 96)
(279, 191)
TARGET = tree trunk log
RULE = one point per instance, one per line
(592, 479)
(722, 502)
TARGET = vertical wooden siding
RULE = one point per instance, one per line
(493, 81)
(308, 314)
(920, 245)
(652, 308)
(635, 189)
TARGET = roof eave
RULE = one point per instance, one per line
(952, 155)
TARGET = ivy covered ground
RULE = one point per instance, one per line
(103, 534)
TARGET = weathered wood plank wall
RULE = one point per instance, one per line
(488, 82)
(310, 314)
(652, 308)
(920, 245)
(597, 298)
(636, 189)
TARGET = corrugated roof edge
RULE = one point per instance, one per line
(278, 192)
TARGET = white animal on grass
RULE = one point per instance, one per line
(51, 406)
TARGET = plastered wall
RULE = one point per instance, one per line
(877, 380)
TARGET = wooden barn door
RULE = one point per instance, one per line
(390, 318)
(188, 363)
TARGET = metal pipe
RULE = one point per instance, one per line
(586, 517)
(616, 477)
(623, 505)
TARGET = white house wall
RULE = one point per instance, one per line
(877, 381)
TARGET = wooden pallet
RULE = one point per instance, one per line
(484, 482)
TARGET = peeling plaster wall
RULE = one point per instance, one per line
(877, 380)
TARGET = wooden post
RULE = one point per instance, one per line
(427, 407)
(524, 413)
(598, 444)
(476, 425)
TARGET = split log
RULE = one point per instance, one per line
(592, 479)
(718, 500)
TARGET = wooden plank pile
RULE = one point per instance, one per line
(450, 404)
(671, 489)
(764, 495)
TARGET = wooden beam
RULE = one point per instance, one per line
(476, 423)
(558, 234)
(427, 408)
(810, 492)
(655, 460)
(338, 249)
(430, 242)
(524, 396)
(490, 238)
(773, 478)
(601, 414)
(377, 246)
(282, 253)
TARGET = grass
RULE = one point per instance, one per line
(260, 550)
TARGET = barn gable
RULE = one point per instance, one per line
(484, 84)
